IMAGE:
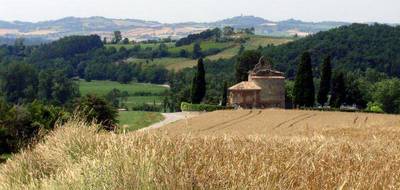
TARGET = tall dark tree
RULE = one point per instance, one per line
(197, 50)
(246, 61)
(45, 88)
(241, 49)
(325, 85)
(125, 41)
(117, 36)
(225, 95)
(198, 90)
(304, 91)
(338, 90)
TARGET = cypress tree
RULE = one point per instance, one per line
(325, 85)
(225, 94)
(197, 50)
(338, 90)
(303, 91)
(198, 90)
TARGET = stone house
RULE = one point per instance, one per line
(265, 88)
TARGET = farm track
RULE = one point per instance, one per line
(238, 121)
(289, 120)
(301, 120)
(227, 122)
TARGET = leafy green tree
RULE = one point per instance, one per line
(64, 90)
(20, 123)
(303, 90)
(289, 96)
(183, 53)
(205, 35)
(96, 109)
(198, 90)
(113, 97)
(125, 41)
(197, 50)
(338, 94)
(387, 94)
(20, 82)
(245, 63)
(117, 36)
(354, 92)
(228, 31)
(55, 87)
(325, 84)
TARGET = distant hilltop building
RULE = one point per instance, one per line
(265, 88)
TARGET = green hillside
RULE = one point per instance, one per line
(226, 50)
(358, 46)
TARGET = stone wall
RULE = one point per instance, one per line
(273, 91)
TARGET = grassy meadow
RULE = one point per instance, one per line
(134, 120)
(169, 62)
(326, 150)
(205, 45)
(101, 88)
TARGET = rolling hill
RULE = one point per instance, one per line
(144, 30)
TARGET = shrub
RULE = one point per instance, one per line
(95, 109)
(147, 107)
(201, 107)
(374, 107)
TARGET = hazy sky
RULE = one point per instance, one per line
(204, 10)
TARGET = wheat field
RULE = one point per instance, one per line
(279, 150)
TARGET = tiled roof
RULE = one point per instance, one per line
(245, 85)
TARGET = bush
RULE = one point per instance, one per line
(96, 109)
(201, 107)
(374, 107)
(147, 107)
(20, 124)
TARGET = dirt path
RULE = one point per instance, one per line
(170, 118)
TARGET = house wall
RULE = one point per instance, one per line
(244, 98)
(273, 91)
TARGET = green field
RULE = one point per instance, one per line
(205, 45)
(170, 63)
(101, 88)
(134, 120)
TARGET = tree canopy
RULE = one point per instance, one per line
(353, 47)
(304, 90)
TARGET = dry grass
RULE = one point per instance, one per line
(77, 157)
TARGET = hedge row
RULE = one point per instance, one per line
(201, 107)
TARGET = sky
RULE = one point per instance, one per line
(172, 11)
